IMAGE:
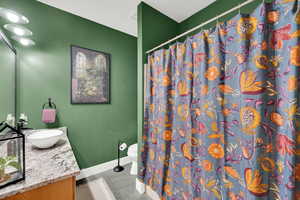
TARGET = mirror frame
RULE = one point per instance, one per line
(11, 47)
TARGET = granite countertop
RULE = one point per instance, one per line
(44, 166)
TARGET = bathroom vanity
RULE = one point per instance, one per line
(50, 173)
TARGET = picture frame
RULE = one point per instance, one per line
(90, 76)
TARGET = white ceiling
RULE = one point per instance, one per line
(121, 14)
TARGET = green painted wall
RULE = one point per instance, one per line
(153, 29)
(44, 71)
(213, 10)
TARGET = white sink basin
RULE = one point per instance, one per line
(45, 138)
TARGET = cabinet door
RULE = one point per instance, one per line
(61, 190)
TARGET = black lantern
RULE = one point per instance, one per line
(12, 155)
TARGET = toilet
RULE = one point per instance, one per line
(133, 154)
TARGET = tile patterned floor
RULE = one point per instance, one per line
(91, 191)
(121, 184)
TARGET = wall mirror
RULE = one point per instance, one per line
(7, 80)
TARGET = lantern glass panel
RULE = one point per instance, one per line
(11, 158)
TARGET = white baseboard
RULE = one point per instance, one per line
(84, 173)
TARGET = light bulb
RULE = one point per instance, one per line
(12, 17)
(19, 31)
(25, 19)
(24, 41)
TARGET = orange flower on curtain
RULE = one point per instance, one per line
(216, 151)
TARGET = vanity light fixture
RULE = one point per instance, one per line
(18, 29)
(13, 16)
(24, 41)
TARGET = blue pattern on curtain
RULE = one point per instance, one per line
(222, 110)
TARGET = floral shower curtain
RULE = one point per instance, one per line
(222, 111)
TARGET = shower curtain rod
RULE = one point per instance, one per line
(200, 25)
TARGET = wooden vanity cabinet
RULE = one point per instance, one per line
(60, 190)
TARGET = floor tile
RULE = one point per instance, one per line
(121, 184)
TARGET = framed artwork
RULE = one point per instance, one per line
(90, 76)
